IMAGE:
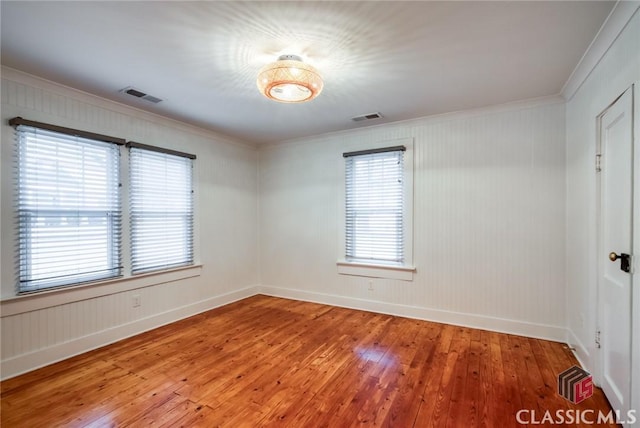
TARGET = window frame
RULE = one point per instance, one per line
(406, 270)
(24, 281)
(76, 291)
(190, 223)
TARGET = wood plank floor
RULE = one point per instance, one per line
(266, 361)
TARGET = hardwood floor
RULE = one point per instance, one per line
(266, 361)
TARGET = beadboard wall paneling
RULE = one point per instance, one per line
(226, 229)
(618, 69)
(489, 218)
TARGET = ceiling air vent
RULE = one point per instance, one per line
(369, 116)
(139, 94)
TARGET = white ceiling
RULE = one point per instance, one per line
(403, 59)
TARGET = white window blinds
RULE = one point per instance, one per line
(375, 205)
(68, 206)
(161, 208)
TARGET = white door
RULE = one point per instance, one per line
(616, 125)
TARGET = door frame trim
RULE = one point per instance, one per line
(598, 375)
(635, 247)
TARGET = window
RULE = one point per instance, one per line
(161, 208)
(378, 211)
(375, 205)
(68, 206)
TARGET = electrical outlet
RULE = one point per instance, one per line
(370, 285)
(136, 301)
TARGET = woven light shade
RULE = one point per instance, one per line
(289, 80)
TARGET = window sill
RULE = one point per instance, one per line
(404, 273)
(15, 305)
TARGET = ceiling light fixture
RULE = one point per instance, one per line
(289, 80)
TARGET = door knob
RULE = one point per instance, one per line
(625, 260)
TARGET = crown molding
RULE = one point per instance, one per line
(58, 88)
(528, 103)
(615, 23)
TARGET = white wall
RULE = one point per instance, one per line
(489, 220)
(42, 328)
(616, 71)
(504, 220)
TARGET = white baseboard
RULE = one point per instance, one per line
(539, 331)
(579, 350)
(43, 357)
